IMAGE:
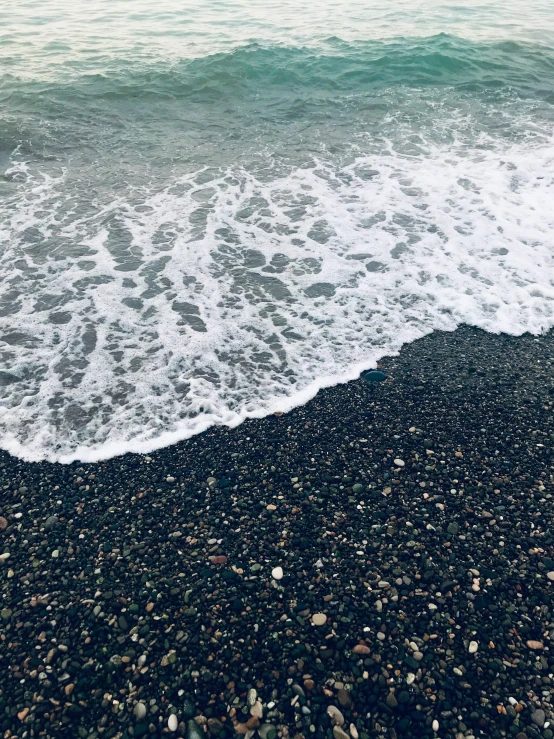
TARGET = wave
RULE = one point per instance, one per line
(199, 243)
(333, 66)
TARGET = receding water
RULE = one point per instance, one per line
(208, 212)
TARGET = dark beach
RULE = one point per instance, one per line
(412, 520)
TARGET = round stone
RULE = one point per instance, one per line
(319, 619)
(172, 722)
(399, 462)
(277, 573)
(139, 710)
(374, 376)
(550, 575)
(473, 647)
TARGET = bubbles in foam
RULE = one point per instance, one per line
(229, 293)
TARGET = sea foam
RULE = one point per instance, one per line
(231, 294)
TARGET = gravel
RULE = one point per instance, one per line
(178, 593)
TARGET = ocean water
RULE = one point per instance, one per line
(211, 209)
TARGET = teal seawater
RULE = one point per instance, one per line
(200, 225)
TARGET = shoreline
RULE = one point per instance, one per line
(412, 519)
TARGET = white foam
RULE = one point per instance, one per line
(451, 236)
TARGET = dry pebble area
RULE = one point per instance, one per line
(377, 563)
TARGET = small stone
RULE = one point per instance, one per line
(453, 528)
(139, 710)
(6, 613)
(50, 522)
(473, 647)
(193, 730)
(23, 714)
(374, 376)
(391, 701)
(550, 575)
(257, 710)
(267, 731)
(4, 524)
(533, 644)
(319, 619)
(538, 717)
(215, 727)
(271, 507)
(337, 719)
(357, 488)
(299, 691)
(339, 733)
(220, 559)
(353, 731)
(277, 573)
(172, 722)
(69, 688)
(188, 709)
(343, 697)
(4, 556)
(435, 725)
(361, 649)
(399, 462)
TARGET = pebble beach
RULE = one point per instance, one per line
(376, 563)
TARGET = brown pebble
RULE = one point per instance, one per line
(23, 714)
(532, 644)
(361, 649)
(343, 697)
(3, 523)
(391, 701)
(221, 559)
(149, 607)
(309, 684)
(69, 688)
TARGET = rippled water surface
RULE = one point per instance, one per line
(211, 210)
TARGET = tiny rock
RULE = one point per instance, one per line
(172, 722)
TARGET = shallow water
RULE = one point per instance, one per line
(206, 214)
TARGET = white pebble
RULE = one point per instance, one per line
(277, 573)
(550, 575)
(410, 678)
(140, 710)
(319, 619)
(399, 462)
(172, 722)
(473, 647)
(435, 725)
(4, 557)
(257, 710)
